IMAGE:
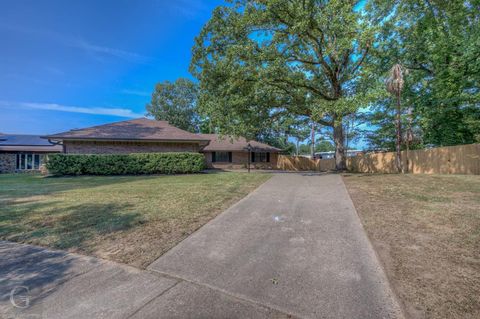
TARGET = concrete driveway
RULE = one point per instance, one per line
(292, 248)
(295, 245)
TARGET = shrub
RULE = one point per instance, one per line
(119, 164)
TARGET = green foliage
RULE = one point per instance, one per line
(320, 146)
(304, 149)
(135, 164)
(279, 130)
(438, 42)
(257, 60)
(381, 133)
(324, 146)
(177, 103)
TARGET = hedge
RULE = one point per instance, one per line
(119, 164)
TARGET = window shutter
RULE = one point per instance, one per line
(213, 157)
(229, 157)
(253, 157)
(268, 157)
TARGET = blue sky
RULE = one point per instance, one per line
(72, 64)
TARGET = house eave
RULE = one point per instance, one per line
(256, 149)
(110, 139)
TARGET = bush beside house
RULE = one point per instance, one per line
(119, 164)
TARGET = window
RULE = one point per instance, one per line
(258, 157)
(36, 161)
(222, 157)
(28, 161)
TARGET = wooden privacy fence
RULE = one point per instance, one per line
(460, 159)
(299, 163)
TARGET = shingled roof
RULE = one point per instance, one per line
(142, 129)
(225, 143)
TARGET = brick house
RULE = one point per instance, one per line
(229, 152)
(134, 136)
(138, 136)
(23, 153)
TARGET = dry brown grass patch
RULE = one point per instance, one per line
(426, 229)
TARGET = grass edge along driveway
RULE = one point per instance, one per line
(127, 219)
(426, 230)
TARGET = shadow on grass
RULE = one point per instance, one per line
(17, 186)
(65, 227)
(46, 224)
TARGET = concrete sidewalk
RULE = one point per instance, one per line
(292, 248)
(295, 245)
(63, 285)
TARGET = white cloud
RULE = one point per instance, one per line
(136, 92)
(96, 49)
(80, 43)
(121, 112)
(187, 8)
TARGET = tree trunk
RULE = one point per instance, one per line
(312, 147)
(409, 138)
(398, 157)
(406, 155)
(338, 138)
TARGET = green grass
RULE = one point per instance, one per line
(130, 219)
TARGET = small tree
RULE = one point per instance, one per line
(395, 86)
(176, 102)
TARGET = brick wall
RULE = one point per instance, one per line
(240, 160)
(113, 147)
(7, 162)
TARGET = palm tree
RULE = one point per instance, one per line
(394, 85)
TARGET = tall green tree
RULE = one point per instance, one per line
(256, 59)
(438, 42)
(276, 132)
(300, 132)
(176, 102)
(380, 131)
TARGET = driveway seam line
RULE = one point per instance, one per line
(227, 293)
(151, 300)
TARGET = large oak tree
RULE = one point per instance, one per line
(257, 60)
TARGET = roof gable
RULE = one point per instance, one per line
(137, 129)
(228, 143)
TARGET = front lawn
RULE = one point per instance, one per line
(426, 230)
(129, 219)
